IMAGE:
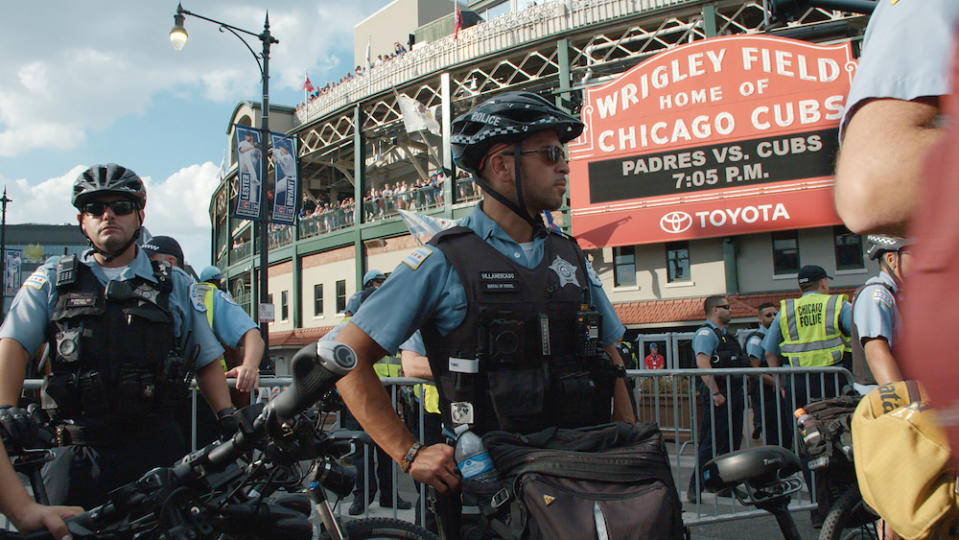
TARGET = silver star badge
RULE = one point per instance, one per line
(566, 271)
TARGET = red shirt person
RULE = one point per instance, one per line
(654, 360)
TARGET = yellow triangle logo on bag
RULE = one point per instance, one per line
(548, 499)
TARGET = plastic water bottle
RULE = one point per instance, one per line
(471, 456)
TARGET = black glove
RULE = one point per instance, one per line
(18, 427)
(229, 424)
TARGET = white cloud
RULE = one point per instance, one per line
(179, 207)
(78, 71)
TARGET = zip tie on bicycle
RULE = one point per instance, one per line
(410, 456)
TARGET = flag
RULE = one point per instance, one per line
(422, 228)
(369, 53)
(458, 21)
(416, 117)
(308, 86)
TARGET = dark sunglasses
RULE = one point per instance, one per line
(724, 306)
(553, 153)
(120, 207)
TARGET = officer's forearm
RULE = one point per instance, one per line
(622, 406)
(213, 384)
(702, 362)
(366, 396)
(773, 360)
(415, 365)
(13, 365)
(13, 496)
(881, 361)
(252, 348)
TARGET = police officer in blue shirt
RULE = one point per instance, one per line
(720, 398)
(513, 145)
(372, 280)
(122, 334)
(876, 315)
(771, 417)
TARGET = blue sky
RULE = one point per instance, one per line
(98, 81)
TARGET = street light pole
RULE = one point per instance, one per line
(3, 250)
(178, 37)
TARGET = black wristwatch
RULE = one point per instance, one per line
(620, 370)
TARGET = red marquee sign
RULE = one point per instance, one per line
(724, 136)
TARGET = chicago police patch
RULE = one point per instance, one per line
(36, 280)
(881, 296)
(415, 259)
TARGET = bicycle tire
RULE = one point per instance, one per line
(384, 528)
(845, 519)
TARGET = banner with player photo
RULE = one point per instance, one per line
(249, 184)
(11, 272)
(287, 179)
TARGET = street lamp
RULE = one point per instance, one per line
(178, 37)
(3, 250)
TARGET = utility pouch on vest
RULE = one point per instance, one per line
(94, 396)
(607, 481)
(518, 397)
(136, 391)
(172, 381)
(59, 392)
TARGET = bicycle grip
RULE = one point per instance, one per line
(315, 369)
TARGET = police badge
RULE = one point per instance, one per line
(565, 270)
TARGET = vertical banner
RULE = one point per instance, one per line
(284, 166)
(11, 278)
(249, 182)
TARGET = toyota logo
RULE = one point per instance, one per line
(676, 222)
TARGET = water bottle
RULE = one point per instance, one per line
(471, 456)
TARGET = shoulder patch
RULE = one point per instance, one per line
(37, 279)
(755, 340)
(593, 276)
(415, 259)
(881, 296)
(704, 332)
(228, 297)
(196, 298)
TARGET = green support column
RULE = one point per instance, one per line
(562, 101)
(709, 20)
(359, 182)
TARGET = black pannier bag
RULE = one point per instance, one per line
(608, 481)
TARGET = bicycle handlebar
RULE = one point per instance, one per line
(315, 368)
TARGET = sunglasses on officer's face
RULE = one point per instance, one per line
(724, 306)
(553, 153)
(120, 207)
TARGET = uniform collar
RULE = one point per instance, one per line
(884, 277)
(713, 325)
(484, 226)
(139, 266)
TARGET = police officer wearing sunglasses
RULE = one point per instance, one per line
(497, 301)
(123, 336)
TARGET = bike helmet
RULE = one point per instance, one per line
(211, 273)
(507, 118)
(881, 243)
(372, 275)
(109, 178)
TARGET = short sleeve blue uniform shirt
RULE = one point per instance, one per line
(34, 303)
(425, 289)
(876, 314)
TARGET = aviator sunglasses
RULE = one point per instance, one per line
(121, 207)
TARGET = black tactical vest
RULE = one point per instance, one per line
(861, 372)
(113, 350)
(527, 355)
(728, 355)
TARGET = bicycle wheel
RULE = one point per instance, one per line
(849, 519)
(386, 529)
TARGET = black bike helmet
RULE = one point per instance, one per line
(109, 178)
(882, 243)
(507, 118)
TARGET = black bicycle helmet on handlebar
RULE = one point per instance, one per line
(882, 243)
(508, 118)
(108, 179)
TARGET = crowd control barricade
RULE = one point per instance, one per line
(669, 397)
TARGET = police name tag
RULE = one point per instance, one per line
(464, 365)
(499, 282)
(461, 412)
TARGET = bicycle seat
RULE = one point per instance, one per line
(758, 467)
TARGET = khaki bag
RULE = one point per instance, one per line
(902, 462)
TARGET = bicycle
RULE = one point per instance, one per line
(248, 486)
(766, 477)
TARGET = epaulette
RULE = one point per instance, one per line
(67, 270)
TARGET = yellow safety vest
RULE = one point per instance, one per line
(810, 330)
(389, 366)
(208, 289)
(432, 401)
